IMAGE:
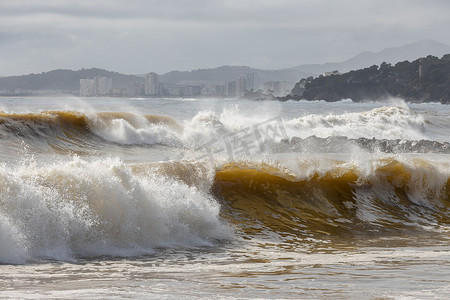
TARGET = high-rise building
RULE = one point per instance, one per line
(220, 90)
(99, 86)
(87, 87)
(230, 89)
(250, 83)
(240, 86)
(278, 88)
(151, 84)
(103, 85)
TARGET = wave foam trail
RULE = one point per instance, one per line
(82, 209)
(389, 122)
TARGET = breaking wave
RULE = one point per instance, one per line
(65, 207)
(77, 129)
(59, 130)
(82, 208)
(335, 199)
(388, 122)
(87, 208)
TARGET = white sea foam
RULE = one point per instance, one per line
(389, 122)
(394, 121)
(78, 208)
(132, 129)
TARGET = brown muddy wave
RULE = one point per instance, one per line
(346, 200)
(103, 206)
(65, 130)
(381, 196)
(71, 131)
(378, 195)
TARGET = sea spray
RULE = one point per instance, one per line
(389, 122)
(80, 208)
(135, 129)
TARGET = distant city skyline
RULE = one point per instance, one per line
(138, 37)
(243, 84)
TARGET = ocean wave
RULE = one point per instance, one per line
(86, 208)
(388, 122)
(135, 129)
(79, 208)
(66, 131)
(342, 144)
(335, 199)
(78, 132)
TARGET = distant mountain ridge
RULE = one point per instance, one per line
(69, 81)
(391, 55)
(62, 80)
(226, 74)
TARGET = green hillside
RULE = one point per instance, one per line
(423, 80)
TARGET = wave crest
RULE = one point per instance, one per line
(79, 208)
(389, 122)
(386, 195)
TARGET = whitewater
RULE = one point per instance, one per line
(223, 198)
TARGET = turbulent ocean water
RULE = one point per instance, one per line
(188, 198)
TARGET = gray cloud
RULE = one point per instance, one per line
(138, 36)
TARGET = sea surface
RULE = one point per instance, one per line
(223, 199)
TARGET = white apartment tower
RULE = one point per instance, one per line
(240, 86)
(99, 86)
(250, 83)
(103, 85)
(87, 87)
(151, 84)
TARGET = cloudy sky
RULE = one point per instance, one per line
(139, 36)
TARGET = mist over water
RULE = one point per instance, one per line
(158, 191)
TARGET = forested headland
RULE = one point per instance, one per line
(423, 80)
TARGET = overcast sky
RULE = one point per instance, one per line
(140, 36)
